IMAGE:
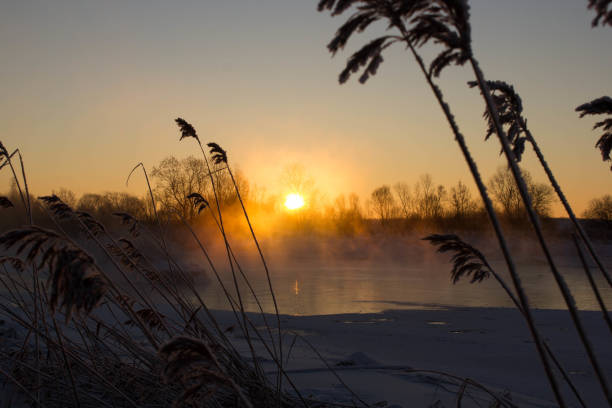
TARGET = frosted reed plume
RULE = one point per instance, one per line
(600, 106)
(603, 12)
(446, 23)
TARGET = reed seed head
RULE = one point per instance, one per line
(601, 9)
(510, 109)
(199, 202)
(57, 206)
(130, 221)
(150, 317)
(190, 361)
(14, 262)
(467, 260)
(186, 129)
(5, 202)
(95, 226)
(74, 280)
(218, 154)
(444, 22)
(600, 106)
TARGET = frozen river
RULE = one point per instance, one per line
(313, 289)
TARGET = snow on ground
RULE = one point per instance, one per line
(390, 358)
(492, 346)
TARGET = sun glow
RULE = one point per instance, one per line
(294, 201)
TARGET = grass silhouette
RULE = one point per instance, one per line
(446, 24)
(107, 339)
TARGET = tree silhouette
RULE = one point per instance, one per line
(383, 204)
(461, 203)
(600, 208)
(507, 196)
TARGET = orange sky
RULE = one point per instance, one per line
(91, 88)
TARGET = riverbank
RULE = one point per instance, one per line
(376, 355)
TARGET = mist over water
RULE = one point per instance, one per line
(314, 275)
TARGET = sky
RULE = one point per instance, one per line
(90, 88)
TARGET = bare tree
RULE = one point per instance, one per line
(295, 179)
(382, 204)
(542, 197)
(599, 208)
(91, 203)
(67, 196)
(461, 203)
(346, 214)
(508, 197)
(429, 198)
(124, 202)
(176, 179)
(405, 198)
(226, 191)
(102, 205)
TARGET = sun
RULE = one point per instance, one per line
(294, 201)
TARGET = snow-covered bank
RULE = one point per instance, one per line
(372, 353)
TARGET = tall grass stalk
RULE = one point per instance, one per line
(23, 389)
(192, 310)
(153, 206)
(522, 187)
(587, 271)
(270, 350)
(66, 361)
(583, 235)
(233, 304)
(28, 208)
(509, 102)
(220, 156)
(370, 54)
(117, 291)
(7, 158)
(73, 357)
(469, 261)
(187, 130)
(168, 256)
(85, 355)
(238, 266)
(264, 263)
(94, 237)
(25, 184)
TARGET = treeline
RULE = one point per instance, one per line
(428, 201)
(426, 205)
(172, 181)
(391, 208)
